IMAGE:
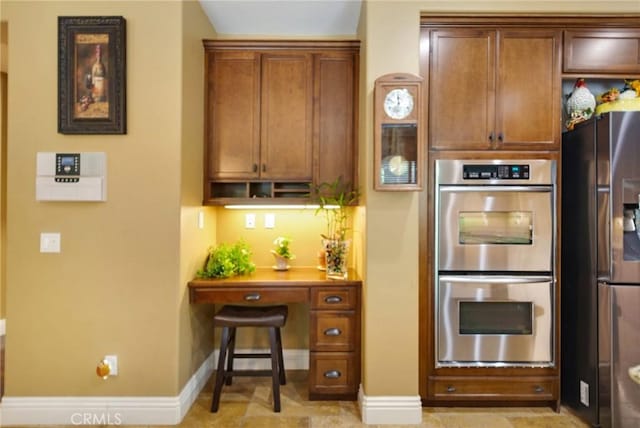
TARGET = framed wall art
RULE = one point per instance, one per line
(91, 75)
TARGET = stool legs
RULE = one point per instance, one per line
(231, 354)
(227, 351)
(283, 379)
(275, 367)
(220, 374)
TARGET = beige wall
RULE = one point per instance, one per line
(390, 35)
(118, 285)
(194, 330)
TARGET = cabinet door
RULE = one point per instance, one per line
(233, 115)
(529, 97)
(286, 124)
(461, 89)
(335, 98)
(602, 51)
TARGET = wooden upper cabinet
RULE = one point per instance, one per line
(261, 115)
(279, 116)
(494, 89)
(233, 115)
(286, 127)
(596, 51)
(335, 110)
(529, 115)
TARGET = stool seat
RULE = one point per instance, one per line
(229, 317)
(251, 316)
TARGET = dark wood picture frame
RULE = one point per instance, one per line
(91, 75)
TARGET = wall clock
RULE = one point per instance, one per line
(398, 141)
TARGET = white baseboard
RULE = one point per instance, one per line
(390, 410)
(20, 411)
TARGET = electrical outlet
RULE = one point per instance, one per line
(112, 361)
(250, 221)
(584, 393)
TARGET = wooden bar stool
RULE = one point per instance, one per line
(229, 317)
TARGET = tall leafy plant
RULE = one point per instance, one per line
(334, 199)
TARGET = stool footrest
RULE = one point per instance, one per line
(247, 355)
(249, 373)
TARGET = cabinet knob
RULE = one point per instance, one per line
(332, 374)
(451, 388)
(500, 137)
(491, 137)
(538, 389)
(255, 167)
(252, 297)
(333, 299)
(332, 332)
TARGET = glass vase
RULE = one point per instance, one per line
(336, 255)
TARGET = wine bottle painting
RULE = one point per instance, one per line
(91, 76)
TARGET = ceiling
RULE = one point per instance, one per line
(284, 17)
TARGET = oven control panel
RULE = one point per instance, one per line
(495, 172)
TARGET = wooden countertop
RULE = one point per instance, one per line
(266, 276)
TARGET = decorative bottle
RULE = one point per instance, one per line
(98, 72)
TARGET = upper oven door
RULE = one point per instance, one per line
(495, 228)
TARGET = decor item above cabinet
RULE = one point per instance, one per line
(494, 89)
(279, 117)
(602, 51)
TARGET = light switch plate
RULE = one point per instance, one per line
(269, 221)
(49, 242)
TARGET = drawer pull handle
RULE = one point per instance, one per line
(332, 374)
(538, 389)
(451, 388)
(252, 297)
(333, 332)
(333, 299)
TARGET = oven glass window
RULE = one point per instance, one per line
(496, 317)
(495, 227)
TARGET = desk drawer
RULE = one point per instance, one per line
(251, 295)
(332, 331)
(333, 373)
(334, 298)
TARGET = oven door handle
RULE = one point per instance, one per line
(491, 188)
(498, 279)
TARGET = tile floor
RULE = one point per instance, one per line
(247, 404)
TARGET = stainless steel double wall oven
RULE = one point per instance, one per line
(495, 252)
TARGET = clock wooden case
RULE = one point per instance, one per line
(398, 132)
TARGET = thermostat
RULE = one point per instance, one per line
(71, 176)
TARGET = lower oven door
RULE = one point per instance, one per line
(494, 321)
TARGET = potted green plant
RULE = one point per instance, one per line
(227, 260)
(334, 199)
(282, 253)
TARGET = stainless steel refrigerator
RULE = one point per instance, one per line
(600, 275)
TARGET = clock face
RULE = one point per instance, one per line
(398, 104)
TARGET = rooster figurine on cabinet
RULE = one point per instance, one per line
(580, 105)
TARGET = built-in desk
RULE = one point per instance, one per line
(334, 319)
